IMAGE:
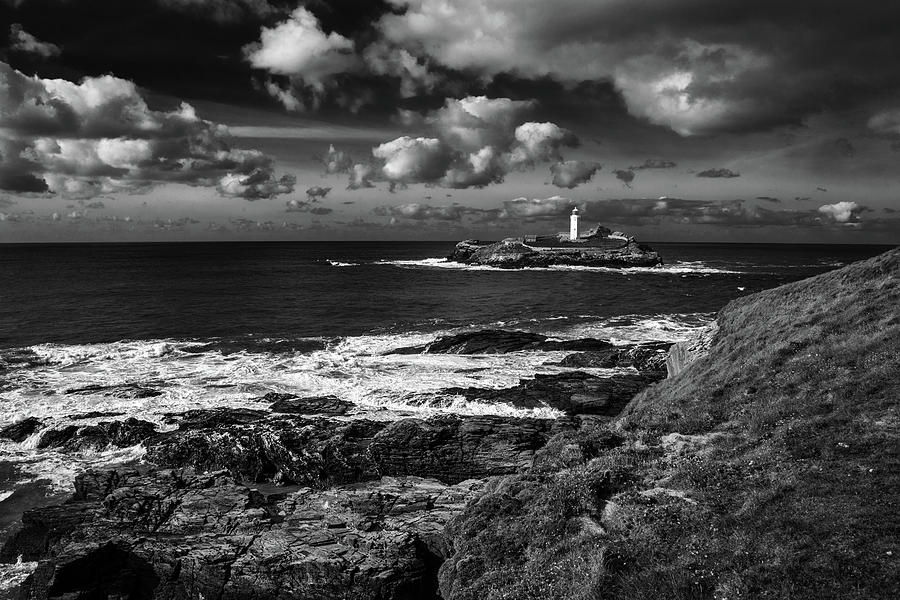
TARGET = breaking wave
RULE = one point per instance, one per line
(677, 268)
(62, 384)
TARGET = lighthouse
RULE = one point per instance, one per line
(573, 225)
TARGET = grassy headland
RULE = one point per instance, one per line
(769, 468)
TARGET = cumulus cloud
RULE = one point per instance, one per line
(524, 208)
(300, 49)
(477, 141)
(571, 173)
(22, 41)
(886, 122)
(316, 193)
(100, 136)
(361, 175)
(843, 212)
(718, 173)
(626, 176)
(335, 161)
(419, 212)
(654, 163)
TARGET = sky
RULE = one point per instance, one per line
(672, 120)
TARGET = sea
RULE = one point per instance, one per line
(222, 324)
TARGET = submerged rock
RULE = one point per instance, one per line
(326, 405)
(572, 393)
(511, 253)
(123, 390)
(177, 534)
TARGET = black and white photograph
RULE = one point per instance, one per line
(449, 300)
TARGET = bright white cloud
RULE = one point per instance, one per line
(842, 212)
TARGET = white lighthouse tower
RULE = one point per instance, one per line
(573, 225)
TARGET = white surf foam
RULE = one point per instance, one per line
(337, 263)
(12, 575)
(677, 268)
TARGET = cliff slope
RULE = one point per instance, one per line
(770, 468)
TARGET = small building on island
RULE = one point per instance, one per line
(598, 237)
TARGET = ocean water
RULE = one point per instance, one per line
(209, 325)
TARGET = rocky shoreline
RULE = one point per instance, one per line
(300, 498)
(512, 253)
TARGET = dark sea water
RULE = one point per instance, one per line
(82, 327)
(246, 292)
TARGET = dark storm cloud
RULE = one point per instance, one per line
(769, 199)
(572, 173)
(696, 67)
(718, 173)
(100, 136)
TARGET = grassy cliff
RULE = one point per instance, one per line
(768, 469)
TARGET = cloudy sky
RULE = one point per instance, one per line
(712, 120)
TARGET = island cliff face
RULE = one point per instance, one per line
(512, 253)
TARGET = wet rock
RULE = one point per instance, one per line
(211, 418)
(646, 358)
(176, 534)
(53, 438)
(572, 393)
(20, 430)
(498, 341)
(513, 254)
(120, 434)
(124, 390)
(327, 405)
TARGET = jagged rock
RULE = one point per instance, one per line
(650, 358)
(452, 448)
(121, 434)
(321, 452)
(573, 393)
(327, 405)
(513, 254)
(20, 430)
(123, 390)
(170, 534)
(211, 418)
(498, 341)
(684, 353)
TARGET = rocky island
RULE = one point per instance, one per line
(598, 247)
